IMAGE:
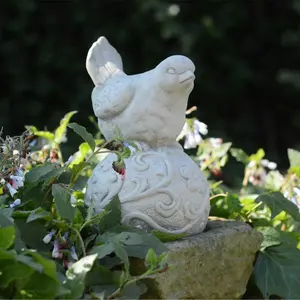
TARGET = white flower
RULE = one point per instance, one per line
(17, 181)
(201, 127)
(16, 152)
(20, 172)
(2, 181)
(268, 164)
(4, 150)
(73, 253)
(48, 237)
(65, 237)
(173, 10)
(192, 140)
(12, 191)
(272, 165)
(294, 200)
(193, 137)
(24, 163)
(286, 194)
(55, 252)
(46, 147)
(73, 200)
(257, 177)
(297, 191)
(216, 142)
(70, 159)
(15, 203)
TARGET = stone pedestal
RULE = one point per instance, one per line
(215, 264)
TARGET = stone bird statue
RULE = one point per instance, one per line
(148, 107)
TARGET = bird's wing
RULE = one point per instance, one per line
(103, 61)
(110, 101)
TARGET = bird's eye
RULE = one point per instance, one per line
(171, 71)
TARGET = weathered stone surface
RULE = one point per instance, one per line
(215, 264)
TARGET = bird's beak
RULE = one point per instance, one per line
(186, 76)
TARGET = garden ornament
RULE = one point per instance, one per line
(163, 188)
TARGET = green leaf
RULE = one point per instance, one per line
(80, 155)
(7, 236)
(149, 241)
(278, 203)
(37, 286)
(276, 272)
(274, 180)
(113, 217)
(5, 217)
(122, 254)
(127, 238)
(35, 175)
(61, 130)
(76, 170)
(7, 255)
(32, 234)
(80, 183)
(62, 202)
(78, 219)
(258, 156)
(163, 260)
(19, 244)
(94, 219)
(233, 202)
(53, 174)
(133, 291)
(274, 237)
(151, 259)
(103, 250)
(45, 134)
(11, 271)
(49, 267)
(39, 213)
(76, 275)
(80, 130)
(239, 155)
(89, 239)
(295, 170)
(167, 237)
(222, 150)
(294, 158)
(30, 262)
(100, 275)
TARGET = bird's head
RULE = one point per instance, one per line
(176, 74)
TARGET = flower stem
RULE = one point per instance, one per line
(218, 195)
(80, 240)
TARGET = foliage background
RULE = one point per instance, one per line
(246, 52)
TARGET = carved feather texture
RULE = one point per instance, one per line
(103, 61)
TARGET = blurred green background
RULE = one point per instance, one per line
(247, 56)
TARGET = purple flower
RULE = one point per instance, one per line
(15, 203)
(73, 253)
(48, 237)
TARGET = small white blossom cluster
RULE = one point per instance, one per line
(193, 135)
(13, 162)
(256, 171)
(192, 131)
